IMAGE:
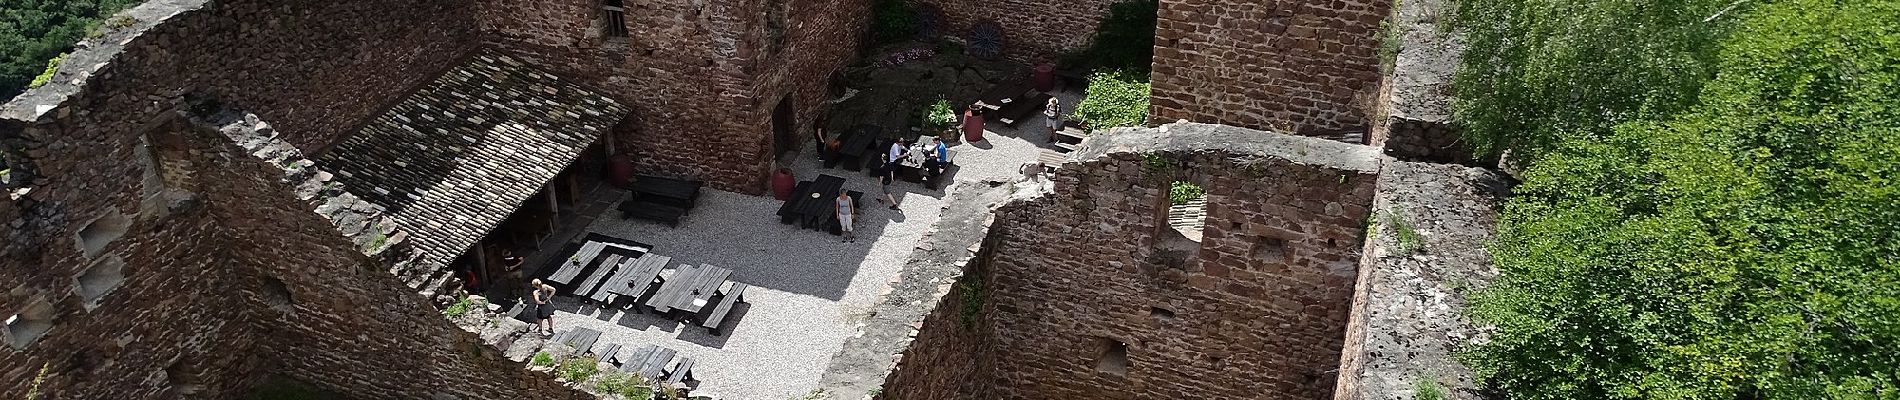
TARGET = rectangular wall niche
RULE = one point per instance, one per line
(1114, 359)
(99, 279)
(29, 324)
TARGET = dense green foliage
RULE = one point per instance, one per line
(940, 116)
(1181, 192)
(1125, 40)
(1537, 71)
(629, 386)
(579, 369)
(1115, 98)
(1730, 231)
(34, 31)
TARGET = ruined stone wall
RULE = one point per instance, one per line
(1033, 31)
(1424, 257)
(1254, 310)
(329, 314)
(1417, 123)
(1304, 67)
(702, 78)
(319, 67)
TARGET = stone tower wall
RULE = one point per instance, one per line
(1257, 312)
(702, 78)
(1304, 67)
(1033, 31)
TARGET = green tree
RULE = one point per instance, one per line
(1538, 71)
(1747, 247)
(34, 31)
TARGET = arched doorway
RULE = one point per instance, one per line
(784, 138)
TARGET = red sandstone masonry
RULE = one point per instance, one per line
(1033, 31)
(701, 79)
(1293, 66)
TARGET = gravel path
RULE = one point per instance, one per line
(811, 290)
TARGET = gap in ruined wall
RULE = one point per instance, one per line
(93, 238)
(1114, 359)
(1162, 315)
(30, 323)
(185, 379)
(276, 294)
(99, 279)
(1272, 250)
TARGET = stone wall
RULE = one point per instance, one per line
(1425, 256)
(1033, 31)
(701, 77)
(1253, 310)
(1418, 115)
(1304, 67)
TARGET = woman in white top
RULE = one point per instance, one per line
(846, 212)
(1052, 115)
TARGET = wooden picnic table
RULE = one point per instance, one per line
(812, 211)
(667, 191)
(634, 278)
(689, 289)
(856, 143)
(573, 264)
(1023, 108)
(1003, 94)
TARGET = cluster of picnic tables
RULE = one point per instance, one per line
(618, 272)
(649, 361)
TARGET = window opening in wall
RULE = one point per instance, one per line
(102, 231)
(184, 379)
(1161, 314)
(1114, 358)
(613, 18)
(29, 324)
(1187, 209)
(1268, 249)
(99, 279)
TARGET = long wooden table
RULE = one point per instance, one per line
(690, 288)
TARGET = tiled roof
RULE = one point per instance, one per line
(460, 154)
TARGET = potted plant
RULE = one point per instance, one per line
(941, 118)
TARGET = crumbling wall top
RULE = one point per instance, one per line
(93, 54)
(1197, 137)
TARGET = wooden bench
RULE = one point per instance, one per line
(608, 265)
(571, 267)
(679, 193)
(651, 211)
(723, 308)
(681, 373)
(787, 213)
(606, 352)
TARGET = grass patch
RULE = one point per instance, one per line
(461, 307)
(630, 386)
(579, 369)
(973, 298)
(1428, 389)
(1409, 239)
(542, 359)
(45, 77)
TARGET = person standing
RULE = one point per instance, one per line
(1052, 118)
(543, 307)
(886, 178)
(847, 213)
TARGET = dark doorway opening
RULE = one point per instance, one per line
(783, 137)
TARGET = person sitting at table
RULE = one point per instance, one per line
(934, 160)
(846, 213)
(898, 151)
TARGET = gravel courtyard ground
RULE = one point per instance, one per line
(810, 289)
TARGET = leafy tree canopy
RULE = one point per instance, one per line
(34, 31)
(1733, 233)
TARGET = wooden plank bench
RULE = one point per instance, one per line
(631, 360)
(651, 211)
(581, 339)
(788, 213)
(655, 365)
(681, 373)
(679, 193)
(723, 308)
(606, 352)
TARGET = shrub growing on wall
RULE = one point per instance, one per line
(1115, 98)
(891, 21)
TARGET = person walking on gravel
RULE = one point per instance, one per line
(1052, 118)
(543, 307)
(846, 213)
